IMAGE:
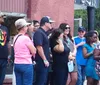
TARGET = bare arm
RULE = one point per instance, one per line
(41, 52)
(32, 49)
(75, 50)
(42, 55)
(86, 55)
(96, 54)
(59, 47)
(80, 44)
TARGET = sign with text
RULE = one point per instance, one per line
(93, 3)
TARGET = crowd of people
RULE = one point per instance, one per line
(47, 56)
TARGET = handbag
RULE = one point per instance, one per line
(70, 66)
(12, 48)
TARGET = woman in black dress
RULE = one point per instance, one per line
(72, 75)
(60, 53)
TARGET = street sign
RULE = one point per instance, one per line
(92, 3)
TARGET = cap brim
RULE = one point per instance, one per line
(81, 30)
(67, 26)
(28, 24)
(51, 21)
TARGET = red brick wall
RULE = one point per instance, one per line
(59, 10)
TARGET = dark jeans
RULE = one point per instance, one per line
(24, 74)
(3, 66)
(41, 75)
(81, 74)
(60, 76)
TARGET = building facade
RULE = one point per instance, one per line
(59, 10)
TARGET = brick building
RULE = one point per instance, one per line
(59, 10)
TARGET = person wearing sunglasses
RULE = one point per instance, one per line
(81, 62)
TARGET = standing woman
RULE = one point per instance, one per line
(97, 58)
(60, 53)
(24, 49)
(88, 48)
(30, 30)
(72, 76)
(29, 33)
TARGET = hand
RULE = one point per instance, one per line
(46, 63)
(71, 57)
(9, 58)
(81, 43)
(34, 63)
(73, 54)
(91, 53)
(60, 40)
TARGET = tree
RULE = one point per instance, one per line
(83, 14)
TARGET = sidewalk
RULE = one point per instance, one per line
(8, 80)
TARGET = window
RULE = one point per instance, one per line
(77, 23)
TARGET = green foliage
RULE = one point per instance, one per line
(83, 14)
(80, 14)
(97, 19)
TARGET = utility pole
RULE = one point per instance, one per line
(91, 17)
(91, 5)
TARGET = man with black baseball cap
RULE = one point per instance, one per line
(46, 19)
(42, 56)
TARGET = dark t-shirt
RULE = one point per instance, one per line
(41, 39)
(4, 39)
(60, 60)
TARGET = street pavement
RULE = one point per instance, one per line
(12, 79)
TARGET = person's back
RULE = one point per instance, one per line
(22, 53)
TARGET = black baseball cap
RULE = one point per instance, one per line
(46, 19)
(81, 29)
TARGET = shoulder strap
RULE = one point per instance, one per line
(16, 39)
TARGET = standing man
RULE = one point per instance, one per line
(43, 56)
(81, 62)
(4, 45)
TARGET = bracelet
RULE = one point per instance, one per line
(90, 53)
(44, 61)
